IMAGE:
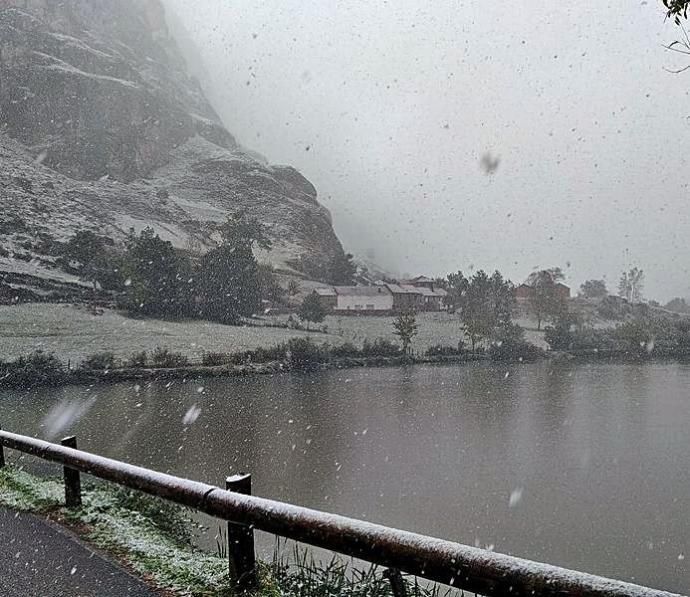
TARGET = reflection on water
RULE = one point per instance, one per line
(584, 466)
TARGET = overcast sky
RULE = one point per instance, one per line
(388, 106)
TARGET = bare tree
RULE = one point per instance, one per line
(631, 284)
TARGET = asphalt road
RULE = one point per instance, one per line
(40, 559)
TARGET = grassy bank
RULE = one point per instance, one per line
(42, 370)
(74, 333)
(154, 539)
(297, 354)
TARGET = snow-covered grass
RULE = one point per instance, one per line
(139, 530)
(74, 333)
(153, 538)
(432, 329)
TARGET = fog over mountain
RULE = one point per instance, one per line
(388, 107)
(102, 128)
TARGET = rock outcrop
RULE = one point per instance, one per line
(102, 127)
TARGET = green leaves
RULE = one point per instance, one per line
(311, 309)
(405, 327)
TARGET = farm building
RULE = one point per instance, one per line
(433, 298)
(416, 295)
(369, 299)
(327, 297)
(405, 297)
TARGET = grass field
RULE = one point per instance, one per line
(433, 329)
(73, 333)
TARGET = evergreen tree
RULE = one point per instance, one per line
(157, 278)
(342, 270)
(244, 232)
(228, 286)
(89, 252)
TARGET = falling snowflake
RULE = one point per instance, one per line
(64, 415)
(515, 497)
(191, 415)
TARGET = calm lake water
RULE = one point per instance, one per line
(585, 466)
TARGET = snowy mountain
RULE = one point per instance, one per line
(102, 127)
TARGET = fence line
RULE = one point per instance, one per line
(445, 562)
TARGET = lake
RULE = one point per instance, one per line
(581, 465)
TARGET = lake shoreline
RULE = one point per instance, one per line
(80, 377)
(622, 355)
(120, 375)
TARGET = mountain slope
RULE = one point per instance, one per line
(101, 127)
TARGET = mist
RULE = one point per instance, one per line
(389, 107)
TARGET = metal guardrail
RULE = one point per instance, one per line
(463, 567)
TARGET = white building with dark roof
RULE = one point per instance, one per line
(383, 298)
(366, 299)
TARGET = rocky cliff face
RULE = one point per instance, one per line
(102, 127)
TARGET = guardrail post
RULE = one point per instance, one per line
(397, 582)
(2, 454)
(72, 480)
(241, 540)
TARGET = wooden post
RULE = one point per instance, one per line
(241, 540)
(397, 582)
(72, 480)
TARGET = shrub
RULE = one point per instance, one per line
(613, 308)
(100, 361)
(264, 355)
(213, 359)
(304, 353)
(138, 360)
(164, 359)
(48, 245)
(635, 336)
(559, 337)
(36, 369)
(380, 348)
(445, 351)
(344, 350)
(514, 350)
